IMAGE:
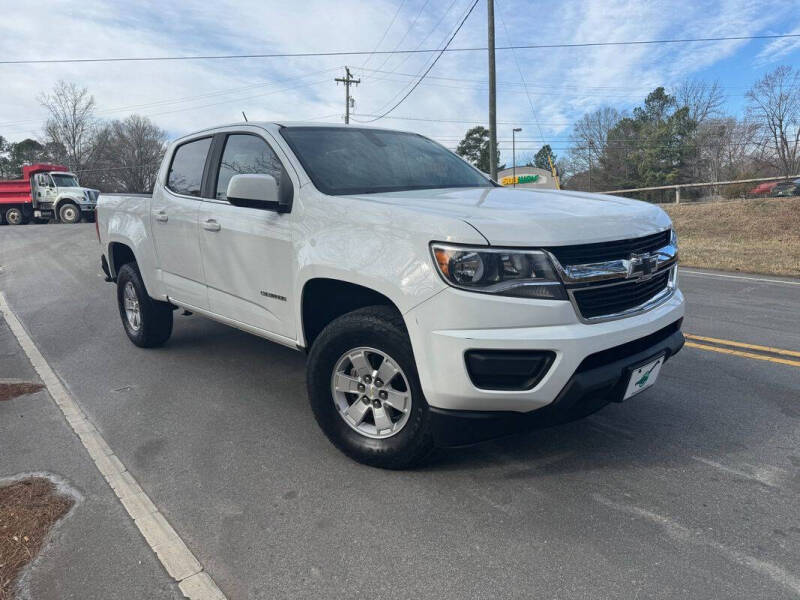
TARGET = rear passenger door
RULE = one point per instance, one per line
(174, 214)
(247, 252)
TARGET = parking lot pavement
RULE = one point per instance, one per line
(689, 490)
(96, 552)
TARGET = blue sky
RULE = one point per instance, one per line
(563, 83)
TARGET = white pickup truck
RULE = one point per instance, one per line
(436, 307)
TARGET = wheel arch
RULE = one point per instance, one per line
(324, 299)
(119, 254)
(62, 199)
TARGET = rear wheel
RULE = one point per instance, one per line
(365, 391)
(69, 213)
(14, 216)
(147, 322)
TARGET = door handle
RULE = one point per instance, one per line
(162, 216)
(211, 225)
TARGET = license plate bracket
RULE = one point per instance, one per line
(643, 376)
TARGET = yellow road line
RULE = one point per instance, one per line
(701, 338)
(783, 361)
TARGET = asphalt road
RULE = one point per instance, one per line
(689, 490)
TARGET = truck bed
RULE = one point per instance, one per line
(15, 191)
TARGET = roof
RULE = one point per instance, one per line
(316, 124)
(274, 126)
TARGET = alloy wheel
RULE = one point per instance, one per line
(132, 311)
(371, 393)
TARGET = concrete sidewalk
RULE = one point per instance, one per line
(96, 551)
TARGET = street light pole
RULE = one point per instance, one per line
(514, 154)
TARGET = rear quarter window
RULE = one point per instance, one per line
(186, 170)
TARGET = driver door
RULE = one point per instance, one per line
(45, 193)
(247, 252)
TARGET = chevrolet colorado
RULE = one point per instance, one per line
(436, 307)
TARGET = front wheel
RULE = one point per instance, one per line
(147, 322)
(365, 391)
(69, 213)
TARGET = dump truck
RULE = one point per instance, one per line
(46, 191)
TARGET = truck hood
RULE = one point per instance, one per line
(526, 217)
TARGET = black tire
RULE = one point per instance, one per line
(155, 324)
(14, 216)
(381, 328)
(69, 212)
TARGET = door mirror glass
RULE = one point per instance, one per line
(254, 191)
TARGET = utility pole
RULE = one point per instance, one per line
(514, 153)
(492, 96)
(347, 81)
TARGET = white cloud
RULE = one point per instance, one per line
(780, 48)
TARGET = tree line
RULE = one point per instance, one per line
(120, 155)
(677, 136)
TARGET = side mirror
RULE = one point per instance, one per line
(259, 191)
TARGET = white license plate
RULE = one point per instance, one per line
(643, 377)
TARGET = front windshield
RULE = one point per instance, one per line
(364, 161)
(64, 180)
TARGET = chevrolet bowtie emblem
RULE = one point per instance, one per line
(642, 266)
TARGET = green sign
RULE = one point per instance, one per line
(527, 179)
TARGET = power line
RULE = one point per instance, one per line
(190, 108)
(521, 76)
(185, 99)
(433, 64)
(425, 39)
(422, 68)
(409, 51)
(554, 88)
(385, 31)
(403, 39)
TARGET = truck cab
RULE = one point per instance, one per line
(58, 193)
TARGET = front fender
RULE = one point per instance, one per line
(384, 250)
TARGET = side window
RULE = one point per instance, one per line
(246, 154)
(186, 171)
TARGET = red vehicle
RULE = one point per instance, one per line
(763, 188)
(45, 191)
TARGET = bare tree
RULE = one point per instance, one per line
(72, 126)
(774, 103)
(726, 149)
(131, 153)
(589, 138)
(704, 99)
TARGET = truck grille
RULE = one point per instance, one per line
(603, 300)
(603, 251)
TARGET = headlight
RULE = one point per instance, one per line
(673, 239)
(506, 272)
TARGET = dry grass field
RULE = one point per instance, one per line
(755, 236)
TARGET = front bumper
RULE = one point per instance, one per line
(600, 378)
(453, 322)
